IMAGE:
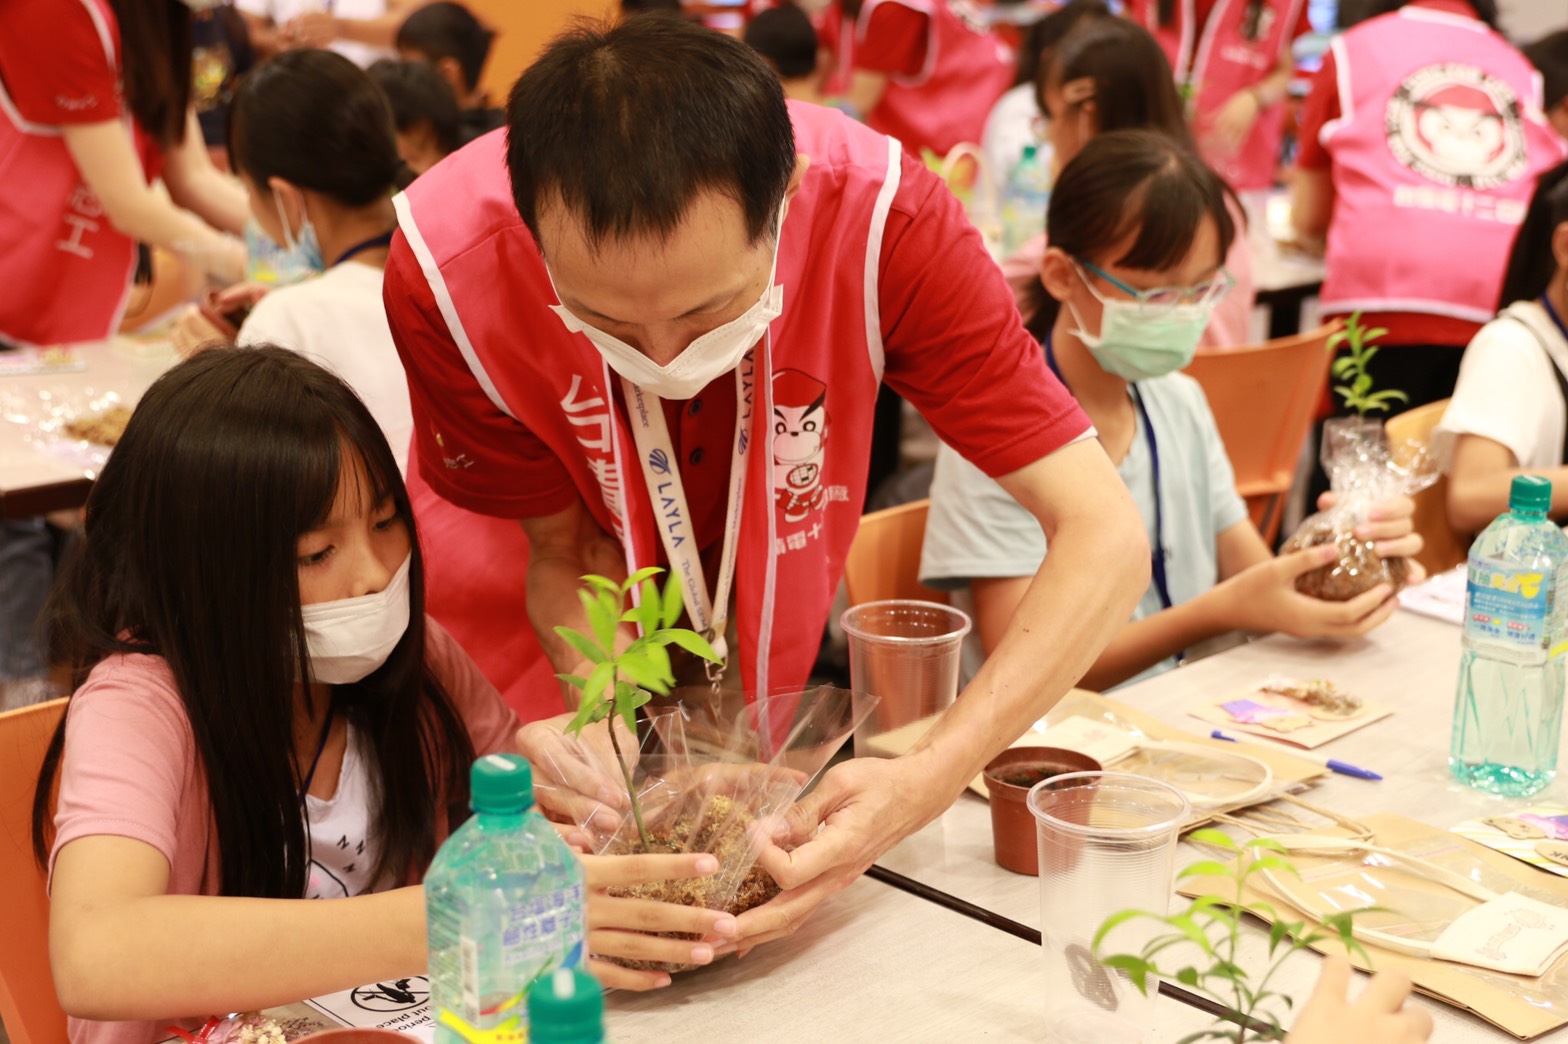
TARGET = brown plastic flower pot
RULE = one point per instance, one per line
(1008, 777)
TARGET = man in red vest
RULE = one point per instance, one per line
(650, 319)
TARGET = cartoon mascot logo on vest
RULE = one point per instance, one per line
(800, 431)
(1455, 125)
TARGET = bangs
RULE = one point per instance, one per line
(1167, 211)
(351, 481)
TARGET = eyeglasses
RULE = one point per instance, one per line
(1166, 298)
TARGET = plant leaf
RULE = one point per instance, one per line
(574, 680)
(1115, 921)
(691, 641)
(638, 577)
(1372, 335)
(1135, 968)
(1278, 931)
(636, 667)
(671, 602)
(1210, 836)
(1362, 384)
(1204, 868)
(598, 681)
(602, 583)
(1187, 976)
(650, 608)
(583, 644)
(1342, 367)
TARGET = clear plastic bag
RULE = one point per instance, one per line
(1363, 470)
(711, 771)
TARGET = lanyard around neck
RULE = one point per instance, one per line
(672, 516)
(1157, 563)
(321, 746)
(379, 240)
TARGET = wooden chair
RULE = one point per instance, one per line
(1445, 547)
(884, 560)
(28, 1005)
(1264, 397)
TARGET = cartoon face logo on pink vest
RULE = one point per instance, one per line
(1455, 125)
(800, 431)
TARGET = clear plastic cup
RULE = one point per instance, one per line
(1107, 843)
(906, 653)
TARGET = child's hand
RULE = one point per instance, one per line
(1263, 599)
(576, 778)
(629, 928)
(1390, 525)
(1379, 1014)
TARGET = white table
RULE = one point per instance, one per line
(34, 483)
(1411, 663)
(874, 963)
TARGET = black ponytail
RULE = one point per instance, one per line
(1531, 263)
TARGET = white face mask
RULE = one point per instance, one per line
(352, 637)
(705, 359)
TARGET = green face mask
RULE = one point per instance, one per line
(1135, 343)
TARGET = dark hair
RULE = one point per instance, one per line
(628, 123)
(1127, 181)
(190, 555)
(1043, 36)
(155, 65)
(635, 7)
(1134, 88)
(784, 36)
(1251, 19)
(448, 30)
(1485, 10)
(418, 94)
(316, 120)
(1549, 55)
(1531, 263)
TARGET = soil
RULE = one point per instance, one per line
(1027, 775)
(721, 829)
(1359, 569)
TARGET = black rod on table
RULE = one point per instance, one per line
(1032, 935)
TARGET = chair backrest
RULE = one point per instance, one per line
(1444, 546)
(1264, 398)
(884, 560)
(27, 999)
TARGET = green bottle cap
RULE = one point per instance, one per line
(1530, 494)
(1030, 152)
(566, 1008)
(501, 783)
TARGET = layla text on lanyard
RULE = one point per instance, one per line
(1157, 563)
(667, 496)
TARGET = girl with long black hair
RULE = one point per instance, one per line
(264, 713)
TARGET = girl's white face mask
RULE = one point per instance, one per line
(350, 638)
(706, 359)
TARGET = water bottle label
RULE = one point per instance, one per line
(1508, 604)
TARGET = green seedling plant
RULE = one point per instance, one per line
(620, 682)
(1212, 923)
(1352, 369)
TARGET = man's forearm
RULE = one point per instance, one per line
(1083, 593)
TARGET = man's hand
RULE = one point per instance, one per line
(1379, 1014)
(858, 811)
(576, 778)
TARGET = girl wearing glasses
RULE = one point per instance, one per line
(1138, 228)
(1111, 75)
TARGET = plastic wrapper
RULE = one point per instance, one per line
(713, 773)
(1363, 470)
(77, 425)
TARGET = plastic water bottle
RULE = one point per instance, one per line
(1509, 709)
(566, 1008)
(1024, 199)
(503, 909)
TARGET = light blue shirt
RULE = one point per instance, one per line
(976, 529)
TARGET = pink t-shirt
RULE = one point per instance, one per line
(129, 770)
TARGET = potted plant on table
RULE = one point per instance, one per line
(711, 765)
(1209, 931)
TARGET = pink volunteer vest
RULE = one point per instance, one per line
(966, 71)
(801, 508)
(65, 269)
(1434, 161)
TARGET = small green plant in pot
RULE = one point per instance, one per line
(622, 681)
(1208, 933)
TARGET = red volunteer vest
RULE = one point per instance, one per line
(802, 502)
(1434, 161)
(1221, 61)
(65, 269)
(966, 70)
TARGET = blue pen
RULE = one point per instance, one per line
(1329, 763)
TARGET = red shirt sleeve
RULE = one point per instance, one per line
(1322, 105)
(56, 60)
(895, 41)
(468, 450)
(1303, 24)
(952, 339)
